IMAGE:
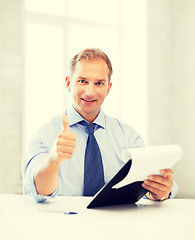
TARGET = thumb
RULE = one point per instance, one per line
(65, 123)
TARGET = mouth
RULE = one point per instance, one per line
(88, 101)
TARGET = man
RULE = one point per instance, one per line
(56, 163)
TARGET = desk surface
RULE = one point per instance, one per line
(22, 218)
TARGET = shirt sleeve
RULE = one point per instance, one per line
(28, 179)
(38, 151)
(174, 190)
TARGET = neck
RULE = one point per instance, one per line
(88, 117)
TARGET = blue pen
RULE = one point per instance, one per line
(55, 211)
(70, 213)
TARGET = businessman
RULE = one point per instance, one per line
(78, 152)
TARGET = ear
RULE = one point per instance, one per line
(109, 87)
(68, 83)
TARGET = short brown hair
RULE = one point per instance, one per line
(90, 54)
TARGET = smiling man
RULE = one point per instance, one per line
(78, 152)
(89, 84)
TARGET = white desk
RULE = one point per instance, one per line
(22, 218)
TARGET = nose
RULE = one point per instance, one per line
(90, 91)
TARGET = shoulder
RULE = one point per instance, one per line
(118, 124)
(48, 130)
(54, 122)
(125, 131)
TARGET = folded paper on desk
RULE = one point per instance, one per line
(126, 186)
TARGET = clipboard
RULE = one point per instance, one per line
(126, 186)
(127, 194)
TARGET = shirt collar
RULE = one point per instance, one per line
(74, 117)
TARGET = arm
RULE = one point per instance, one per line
(159, 186)
(46, 177)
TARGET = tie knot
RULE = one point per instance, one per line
(90, 126)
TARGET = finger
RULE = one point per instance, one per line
(68, 142)
(153, 189)
(152, 179)
(162, 186)
(156, 178)
(156, 193)
(63, 156)
(65, 149)
(67, 135)
(65, 123)
(167, 173)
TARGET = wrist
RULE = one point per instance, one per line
(150, 196)
(53, 162)
(53, 159)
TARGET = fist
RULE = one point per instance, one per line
(66, 142)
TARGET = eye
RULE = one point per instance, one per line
(82, 81)
(100, 83)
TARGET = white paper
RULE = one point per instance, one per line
(149, 160)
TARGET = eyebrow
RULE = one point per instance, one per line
(99, 80)
(82, 78)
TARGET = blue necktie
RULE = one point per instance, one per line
(93, 167)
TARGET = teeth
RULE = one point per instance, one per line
(88, 100)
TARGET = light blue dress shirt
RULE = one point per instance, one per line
(112, 136)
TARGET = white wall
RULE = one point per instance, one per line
(183, 114)
(159, 72)
(133, 76)
(11, 85)
(171, 83)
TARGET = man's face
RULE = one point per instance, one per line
(89, 85)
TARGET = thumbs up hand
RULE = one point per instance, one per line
(66, 142)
